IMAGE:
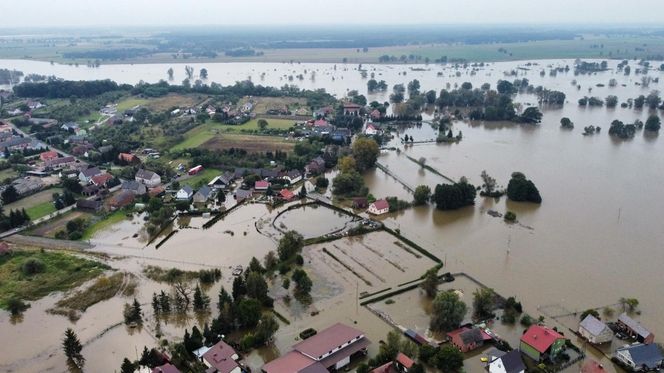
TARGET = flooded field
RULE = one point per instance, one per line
(313, 221)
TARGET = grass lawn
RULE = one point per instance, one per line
(198, 135)
(282, 124)
(36, 202)
(104, 223)
(8, 173)
(202, 177)
(250, 143)
(58, 272)
(130, 103)
(37, 211)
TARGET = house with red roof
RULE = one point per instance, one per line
(329, 350)
(467, 339)
(128, 158)
(261, 186)
(48, 156)
(166, 368)
(286, 195)
(371, 130)
(541, 343)
(321, 123)
(101, 180)
(222, 358)
(401, 364)
(376, 114)
(351, 108)
(379, 207)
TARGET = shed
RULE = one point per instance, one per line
(594, 330)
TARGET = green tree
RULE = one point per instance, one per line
(365, 151)
(239, 287)
(448, 311)
(133, 313)
(256, 286)
(266, 328)
(454, 196)
(249, 312)
(449, 359)
(566, 123)
(483, 303)
(521, 189)
(262, 124)
(72, 347)
(9, 195)
(201, 301)
(302, 282)
(531, 115)
(170, 73)
(348, 184)
(347, 164)
(430, 283)
(589, 311)
(422, 194)
(289, 245)
(127, 366)
(652, 124)
(204, 73)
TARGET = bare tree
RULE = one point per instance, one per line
(189, 71)
(170, 73)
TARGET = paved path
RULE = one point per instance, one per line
(48, 243)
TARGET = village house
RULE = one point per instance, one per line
(375, 114)
(242, 194)
(540, 343)
(101, 180)
(59, 163)
(27, 185)
(286, 195)
(467, 339)
(134, 187)
(401, 364)
(222, 181)
(166, 368)
(221, 358)
(261, 186)
(379, 207)
(203, 194)
(510, 362)
(371, 130)
(90, 205)
(69, 127)
(15, 143)
(128, 158)
(330, 349)
(48, 156)
(148, 178)
(316, 166)
(184, 194)
(323, 112)
(594, 330)
(634, 329)
(90, 190)
(293, 176)
(341, 135)
(640, 357)
(121, 199)
(85, 176)
(352, 108)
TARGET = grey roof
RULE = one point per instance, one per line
(649, 355)
(88, 204)
(269, 173)
(471, 336)
(133, 185)
(294, 174)
(242, 193)
(144, 174)
(92, 171)
(187, 189)
(15, 141)
(634, 325)
(512, 362)
(204, 191)
(593, 325)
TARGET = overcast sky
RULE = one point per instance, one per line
(26, 13)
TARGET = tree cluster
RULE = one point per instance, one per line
(454, 196)
(522, 190)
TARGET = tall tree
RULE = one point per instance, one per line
(448, 311)
(365, 152)
(170, 73)
(204, 73)
(72, 347)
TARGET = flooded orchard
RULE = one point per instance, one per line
(596, 237)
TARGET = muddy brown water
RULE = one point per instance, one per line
(596, 237)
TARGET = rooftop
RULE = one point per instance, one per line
(540, 337)
(634, 325)
(327, 340)
(593, 325)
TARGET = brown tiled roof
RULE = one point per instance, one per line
(327, 340)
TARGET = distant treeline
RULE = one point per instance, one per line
(109, 54)
(86, 89)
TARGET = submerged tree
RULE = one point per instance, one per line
(448, 311)
(72, 347)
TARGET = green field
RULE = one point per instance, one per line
(36, 205)
(130, 103)
(8, 173)
(202, 177)
(58, 271)
(106, 222)
(282, 124)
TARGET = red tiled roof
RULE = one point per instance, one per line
(351, 105)
(591, 366)
(49, 155)
(127, 157)
(385, 368)
(220, 356)
(405, 360)
(262, 184)
(101, 179)
(286, 194)
(381, 204)
(327, 340)
(166, 368)
(540, 338)
(320, 123)
(293, 362)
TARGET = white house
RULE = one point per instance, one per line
(371, 130)
(148, 178)
(293, 176)
(595, 331)
(379, 207)
(508, 363)
(184, 194)
(640, 356)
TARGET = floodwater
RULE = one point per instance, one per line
(313, 221)
(596, 237)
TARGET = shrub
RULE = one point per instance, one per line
(32, 267)
(510, 216)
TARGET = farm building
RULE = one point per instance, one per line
(634, 329)
(595, 331)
